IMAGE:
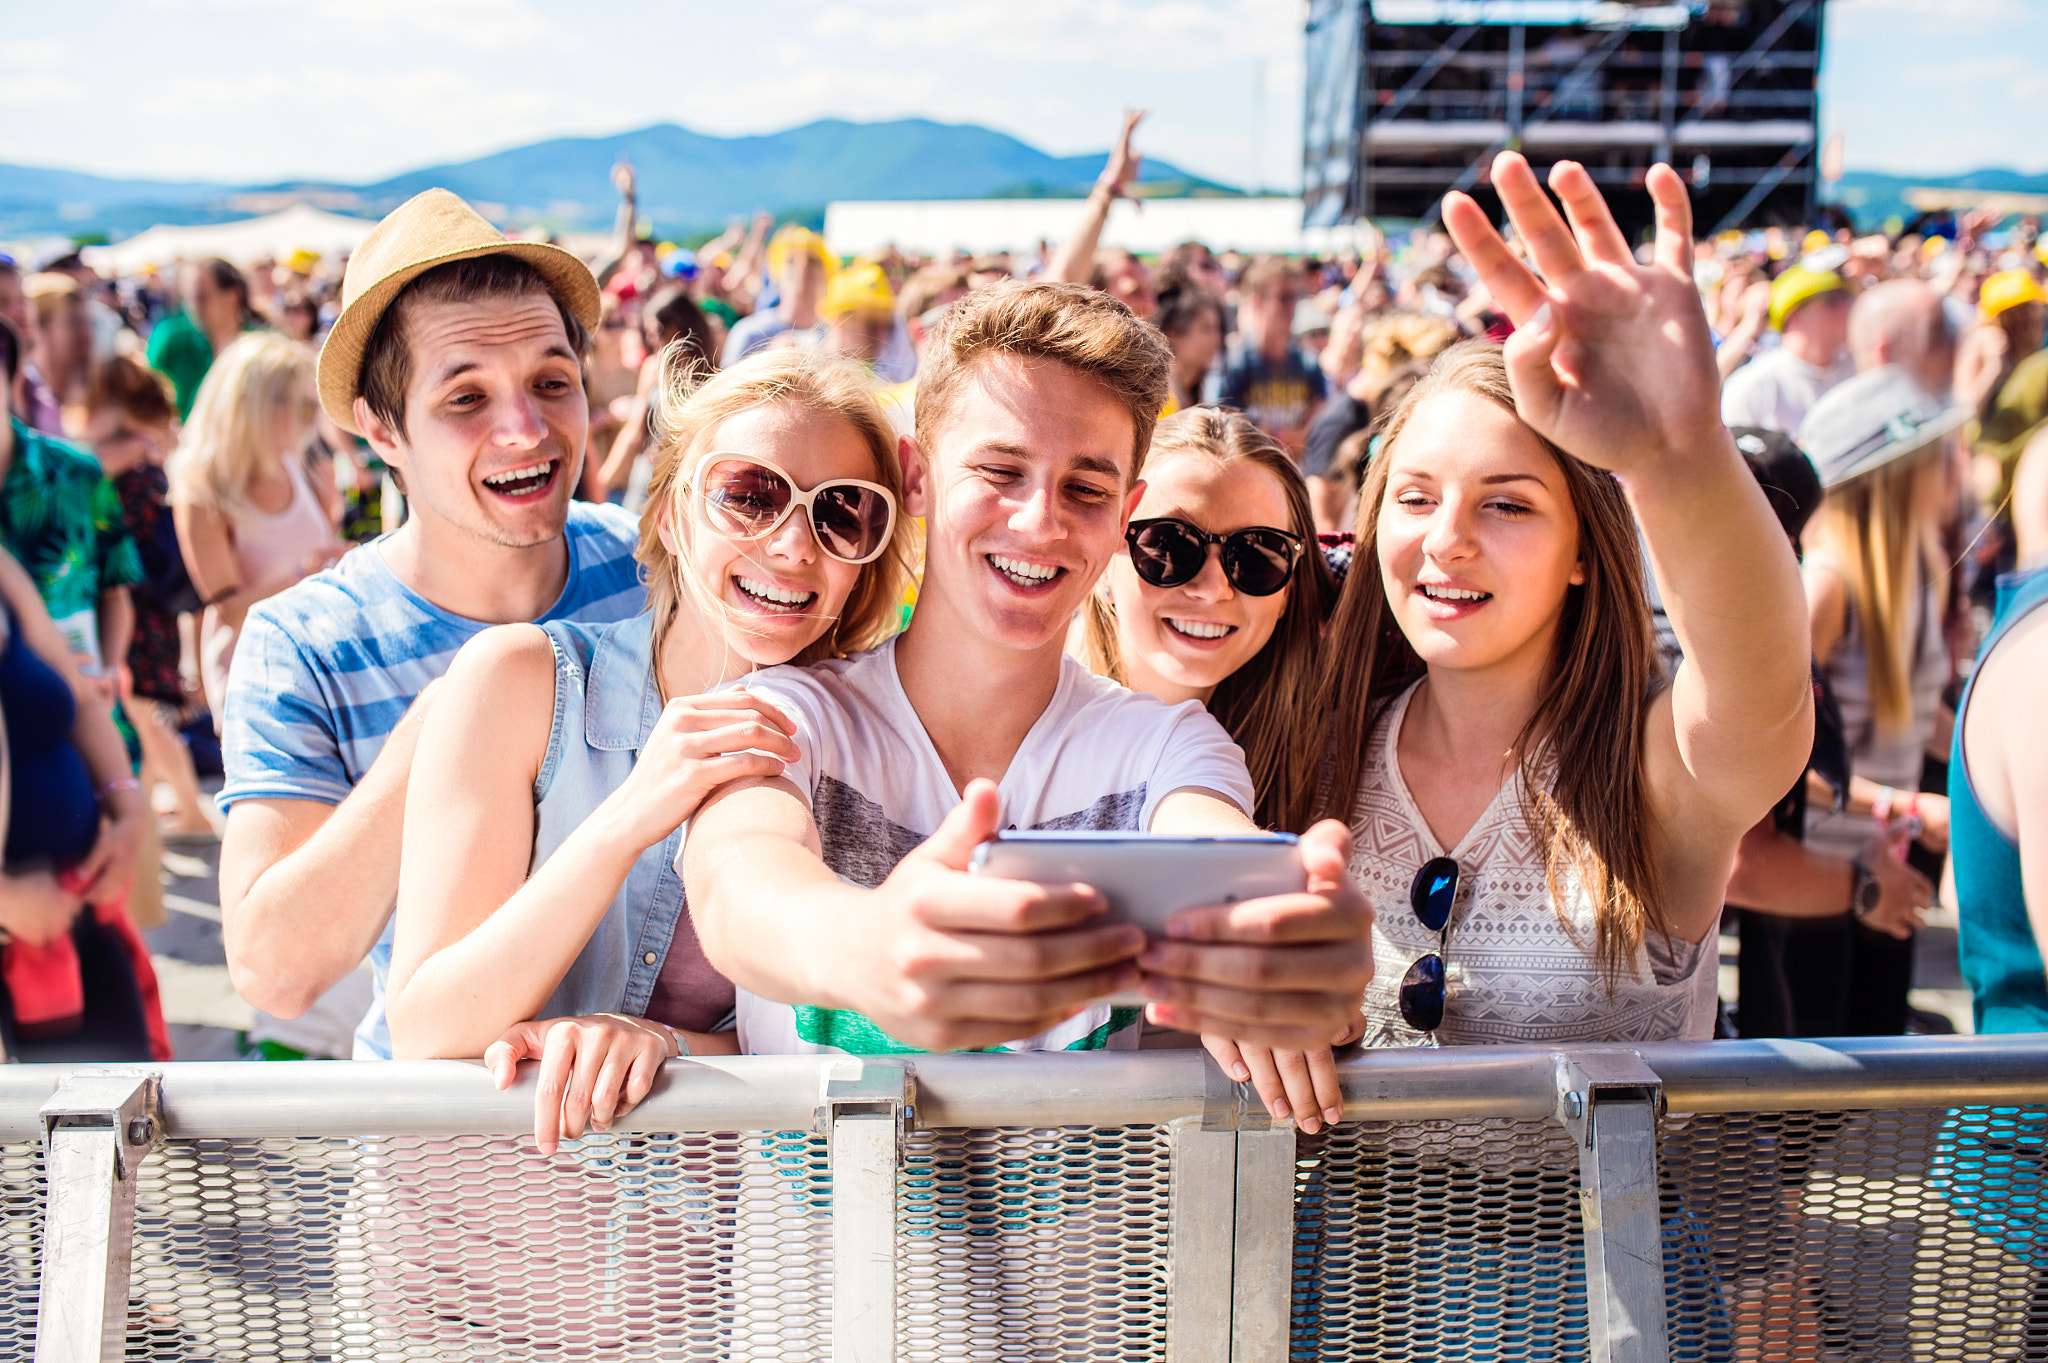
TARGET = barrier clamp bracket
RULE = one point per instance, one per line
(98, 1127)
(868, 1088)
(1611, 1102)
(1588, 1078)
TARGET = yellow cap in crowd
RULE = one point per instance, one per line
(2008, 289)
(1798, 286)
(860, 287)
(792, 238)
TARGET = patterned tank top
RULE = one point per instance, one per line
(1518, 970)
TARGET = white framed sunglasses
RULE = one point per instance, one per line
(750, 498)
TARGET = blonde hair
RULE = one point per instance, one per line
(1270, 706)
(227, 442)
(1869, 526)
(1581, 767)
(688, 411)
(1080, 327)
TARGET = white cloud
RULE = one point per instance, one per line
(1846, 17)
(355, 90)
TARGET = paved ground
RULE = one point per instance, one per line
(206, 1018)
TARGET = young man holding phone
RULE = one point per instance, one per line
(837, 896)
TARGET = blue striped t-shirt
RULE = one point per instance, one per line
(324, 670)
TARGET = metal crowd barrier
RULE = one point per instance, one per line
(1872, 1198)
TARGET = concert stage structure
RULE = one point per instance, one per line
(1407, 99)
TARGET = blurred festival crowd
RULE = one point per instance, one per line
(1575, 601)
(169, 468)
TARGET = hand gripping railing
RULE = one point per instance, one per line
(1233, 1171)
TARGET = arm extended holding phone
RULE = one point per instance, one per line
(942, 958)
(1149, 879)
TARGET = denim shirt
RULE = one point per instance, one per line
(606, 704)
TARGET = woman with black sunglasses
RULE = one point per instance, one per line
(1220, 597)
(540, 915)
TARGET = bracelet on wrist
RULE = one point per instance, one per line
(116, 786)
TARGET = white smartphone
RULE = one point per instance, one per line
(1147, 877)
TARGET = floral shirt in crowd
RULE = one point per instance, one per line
(62, 518)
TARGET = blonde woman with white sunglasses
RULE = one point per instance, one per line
(540, 915)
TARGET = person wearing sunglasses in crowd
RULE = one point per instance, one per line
(1545, 830)
(1221, 598)
(540, 914)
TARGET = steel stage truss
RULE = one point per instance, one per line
(1407, 99)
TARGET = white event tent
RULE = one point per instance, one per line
(298, 228)
(935, 227)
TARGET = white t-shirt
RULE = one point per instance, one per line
(1775, 389)
(1099, 757)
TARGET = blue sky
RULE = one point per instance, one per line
(255, 90)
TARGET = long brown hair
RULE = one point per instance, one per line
(1269, 705)
(1581, 763)
(688, 413)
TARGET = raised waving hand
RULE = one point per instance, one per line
(1610, 360)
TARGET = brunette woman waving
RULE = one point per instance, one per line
(1531, 807)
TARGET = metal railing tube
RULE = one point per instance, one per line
(429, 1098)
(1851, 1072)
(1451, 1083)
(754, 1093)
(1095, 1088)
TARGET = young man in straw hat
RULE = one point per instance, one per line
(458, 355)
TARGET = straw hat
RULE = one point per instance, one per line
(429, 229)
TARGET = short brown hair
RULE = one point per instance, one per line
(387, 355)
(132, 388)
(1263, 273)
(922, 290)
(1080, 327)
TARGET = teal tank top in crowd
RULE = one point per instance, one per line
(2000, 958)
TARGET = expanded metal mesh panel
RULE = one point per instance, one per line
(1913, 1235)
(1032, 1245)
(1438, 1240)
(427, 1248)
(21, 1240)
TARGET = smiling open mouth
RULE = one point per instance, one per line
(1022, 573)
(1199, 629)
(523, 482)
(773, 598)
(1453, 594)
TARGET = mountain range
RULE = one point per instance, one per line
(692, 183)
(1873, 196)
(688, 181)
